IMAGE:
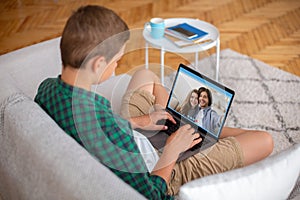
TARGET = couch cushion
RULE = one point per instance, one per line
(8, 87)
(114, 89)
(39, 161)
(28, 66)
(272, 178)
(295, 194)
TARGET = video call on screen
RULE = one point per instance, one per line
(209, 118)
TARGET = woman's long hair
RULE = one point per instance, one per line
(186, 105)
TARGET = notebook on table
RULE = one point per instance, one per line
(208, 123)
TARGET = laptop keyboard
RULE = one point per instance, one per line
(171, 126)
(174, 127)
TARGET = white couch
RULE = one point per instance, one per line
(39, 161)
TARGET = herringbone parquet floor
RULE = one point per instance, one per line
(268, 30)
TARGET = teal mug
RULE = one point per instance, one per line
(157, 28)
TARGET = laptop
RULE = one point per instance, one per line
(207, 121)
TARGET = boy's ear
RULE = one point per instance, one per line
(99, 64)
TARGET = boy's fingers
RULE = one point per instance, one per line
(161, 127)
(197, 136)
(187, 127)
(196, 141)
(168, 116)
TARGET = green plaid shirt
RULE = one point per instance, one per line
(88, 118)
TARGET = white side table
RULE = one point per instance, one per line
(167, 46)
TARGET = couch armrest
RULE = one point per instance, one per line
(39, 161)
(272, 178)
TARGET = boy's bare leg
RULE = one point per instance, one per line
(228, 131)
(146, 80)
(256, 145)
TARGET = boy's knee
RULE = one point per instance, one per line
(146, 74)
(269, 143)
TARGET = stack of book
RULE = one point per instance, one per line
(183, 35)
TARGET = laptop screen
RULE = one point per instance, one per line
(200, 100)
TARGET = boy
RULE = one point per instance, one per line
(92, 42)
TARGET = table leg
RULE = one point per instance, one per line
(217, 59)
(162, 65)
(146, 55)
(196, 59)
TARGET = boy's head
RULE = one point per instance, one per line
(92, 31)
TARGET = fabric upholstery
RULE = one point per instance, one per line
(273, 178)
(39, 161)
(27, 67)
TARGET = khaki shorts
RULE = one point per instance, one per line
(137, 103)
(223, 156)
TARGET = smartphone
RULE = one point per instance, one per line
(185, 32)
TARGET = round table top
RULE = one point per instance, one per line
(167, 45)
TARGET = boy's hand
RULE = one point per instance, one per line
(149, 122)
(183, 139)
(180, 141)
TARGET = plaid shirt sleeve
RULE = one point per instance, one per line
(105, 135)
(109, 138)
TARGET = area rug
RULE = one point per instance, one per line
(266, 98)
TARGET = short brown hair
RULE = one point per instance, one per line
(88, 27)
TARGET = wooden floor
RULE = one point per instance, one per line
(268, 30)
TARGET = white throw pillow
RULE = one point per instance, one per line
(272, 178)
